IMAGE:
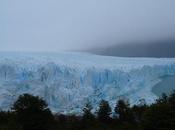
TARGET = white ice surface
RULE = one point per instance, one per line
(68, 80)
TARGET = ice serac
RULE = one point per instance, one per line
(69, 80)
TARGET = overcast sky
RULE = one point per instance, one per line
(54, 25)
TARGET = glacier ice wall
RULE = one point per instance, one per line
(68, 80)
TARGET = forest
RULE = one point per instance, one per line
(32, 113)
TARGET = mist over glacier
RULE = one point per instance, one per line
(67, 81)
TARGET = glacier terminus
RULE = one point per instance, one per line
(68, 80)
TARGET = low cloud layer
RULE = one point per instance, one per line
(56, 25)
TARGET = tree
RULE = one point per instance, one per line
(171, 99)
(104, 111)
(32, 113)
(87, 115)
(163, 99)
(138, 110)
(160, 115)
(123, 110)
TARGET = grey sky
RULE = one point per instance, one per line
(53, 25)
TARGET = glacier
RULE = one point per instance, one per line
(68, 80)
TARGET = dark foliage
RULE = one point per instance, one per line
(104, 111)
(161, 115)
(124, 111)
(31, 113)
(87, 114)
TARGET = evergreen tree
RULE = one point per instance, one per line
(160, 115)
(87, 115)
(123, 110)
(171, 99)
(104, 111)
(138, 110)
(162, 99)
(32, 113)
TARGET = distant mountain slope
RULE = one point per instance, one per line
(155, 49)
